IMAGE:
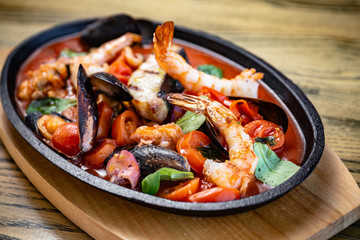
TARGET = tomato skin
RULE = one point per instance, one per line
(244, 111)
(181, 191)
(105, 115)
(217, 194)
(120, 69)
(215, 95)
(66, 139)
(123, 126)
(186, 146)
(97, 155)
(263, 128)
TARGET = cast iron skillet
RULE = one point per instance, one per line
(293, 98)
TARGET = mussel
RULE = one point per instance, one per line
(106, 29)
(151, 158)
(87, 111)
(35, 120)
(270, 111)
(109, 85)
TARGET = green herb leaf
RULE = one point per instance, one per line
(209, 152)
(50, 105)
(151, 182)
(190, 121)
(270, 140)
(270, 168)
(70, 53)
(211, 69)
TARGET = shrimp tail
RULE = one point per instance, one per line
(163, 37)
(188, 102)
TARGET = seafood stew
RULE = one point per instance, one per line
(154, 141)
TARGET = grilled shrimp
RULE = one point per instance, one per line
(245, 84)
(50, 77)
(239, 170)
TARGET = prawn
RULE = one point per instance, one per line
(239, 170)
(243, 85)
(50, 78)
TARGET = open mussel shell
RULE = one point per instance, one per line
(270, 111)
(106, 29)
(109, 85)
(151, 158)
(87, 111)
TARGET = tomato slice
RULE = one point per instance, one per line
(66, 139)
(244, 111)
(123, 126)
(105, 115)
(187, 145)
(263, 129)
(120, 69)
(96, 156)
(215, 95)
(181, 191)
(217, 194)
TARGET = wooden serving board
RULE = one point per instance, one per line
(325, 203)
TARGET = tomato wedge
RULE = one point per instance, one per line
(96, 156)
(120, 69)
(123, 126)
(215, 95)
(217, 194)
(263, 129)
(105, 115)
(66, 139)
(187, 145)
(244, 111)
(182, 191)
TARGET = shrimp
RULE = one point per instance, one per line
(239, 170)
(93, 62)
(161, 135)
(243, 85)
(51, 77)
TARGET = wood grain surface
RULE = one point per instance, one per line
(315, 44)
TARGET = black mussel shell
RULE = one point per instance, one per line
(106, 29)
(87, 111)
(270, 111)
(110, 85)
(151, 158)
(32, 118)
(31, 121)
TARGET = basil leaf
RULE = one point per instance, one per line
(209, 152)
(270, 140)
(190, 121)
(70, 53)
(50, 105)
(151, 182)
(211, 69)
(270, 168)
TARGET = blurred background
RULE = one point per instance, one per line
(316, 44)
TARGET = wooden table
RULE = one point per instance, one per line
(316, 45)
